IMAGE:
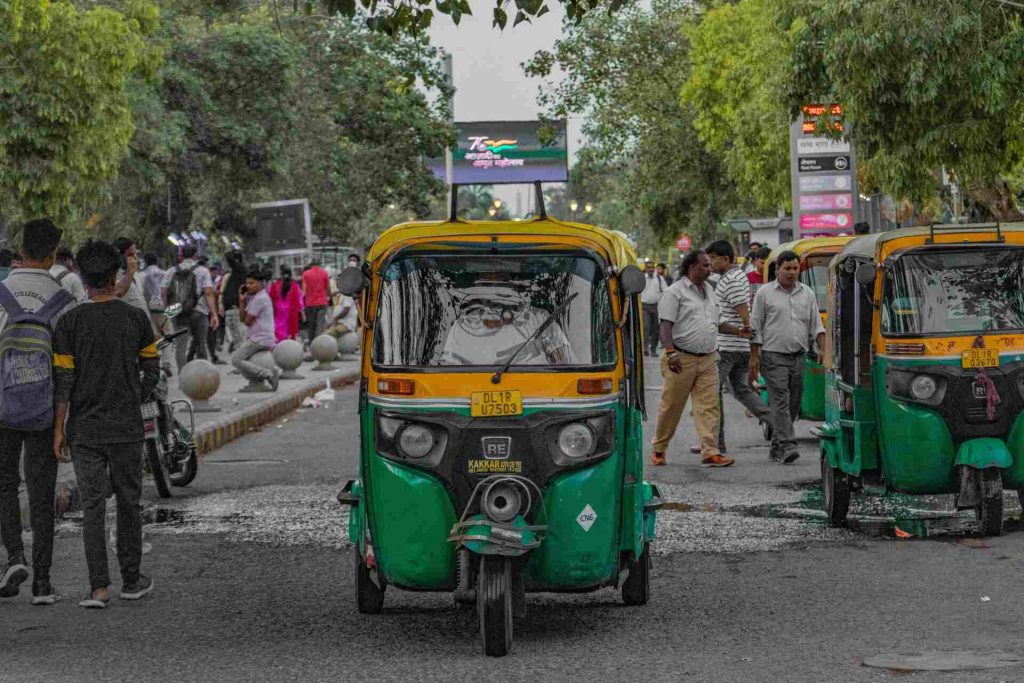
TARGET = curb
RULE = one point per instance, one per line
(225, 430)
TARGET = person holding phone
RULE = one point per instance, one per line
(257, 310)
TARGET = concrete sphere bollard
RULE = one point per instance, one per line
(264, 359)
(199, 380)
(348, 343)
(288, 356)
(325, 350)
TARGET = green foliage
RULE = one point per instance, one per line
(65, 115)
(923, 83)
(740, 59)
(623, 73)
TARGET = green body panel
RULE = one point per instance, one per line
(1013, 476)
(485, 529)
(410, 515)
(984, 453)
(849, 440)
(812, 402)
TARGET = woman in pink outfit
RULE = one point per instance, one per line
(288, 305)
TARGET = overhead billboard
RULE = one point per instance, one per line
(503, 152)
(282, 227)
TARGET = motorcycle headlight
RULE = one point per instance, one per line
(415, 441)
(576, 440)
(923, 387)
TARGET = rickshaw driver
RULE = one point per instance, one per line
(495, 321)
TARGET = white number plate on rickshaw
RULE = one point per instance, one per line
(981, 358)
(495, 403)
(150, 410)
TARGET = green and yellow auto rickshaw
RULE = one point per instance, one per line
(925, 367)
(500, 408)
(815, 254)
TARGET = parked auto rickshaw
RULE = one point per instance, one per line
(500, 408)
(814, 253)
(925, 367)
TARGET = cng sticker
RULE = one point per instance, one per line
(587, 518)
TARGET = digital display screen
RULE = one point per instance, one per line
(502, 152)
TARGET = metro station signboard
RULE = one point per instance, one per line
(823, 173)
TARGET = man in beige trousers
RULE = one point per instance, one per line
(689, 330)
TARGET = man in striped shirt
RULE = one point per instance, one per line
(733, 293)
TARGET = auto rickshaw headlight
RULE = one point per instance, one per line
(923, 387)
(576, 440)
(415, 441)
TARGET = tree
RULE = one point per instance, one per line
(923, 84)
(623, 73)
(65, 116)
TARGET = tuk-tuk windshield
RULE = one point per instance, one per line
(953, 292)
(471, 310)
(815, 275)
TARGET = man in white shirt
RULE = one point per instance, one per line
(346, 318)
(67, 278)
(653, 289)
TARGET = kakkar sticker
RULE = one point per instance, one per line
(495, 466)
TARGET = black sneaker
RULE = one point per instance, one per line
(790, 457)
(43, 592)
(14, 574)
(137, 589)
(774, 455)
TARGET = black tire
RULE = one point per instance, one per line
(835, 490)
(189, 469)
(636, 589)
(494, 605)
(989, 511)
(156, 468)
(369, 596)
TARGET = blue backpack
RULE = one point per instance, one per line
(26, 363)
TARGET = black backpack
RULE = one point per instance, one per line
(183, 290)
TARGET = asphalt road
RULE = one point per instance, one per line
(253, 582)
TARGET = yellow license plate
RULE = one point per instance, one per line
(981, 358)
(495, 403)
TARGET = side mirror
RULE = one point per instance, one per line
(351, 281)
(172, 311)
(632, 280)
(865, 273)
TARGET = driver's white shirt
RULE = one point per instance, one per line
(472, 342)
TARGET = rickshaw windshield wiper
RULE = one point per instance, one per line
(496, 379)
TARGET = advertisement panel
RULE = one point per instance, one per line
(502, 152)
(823, 173)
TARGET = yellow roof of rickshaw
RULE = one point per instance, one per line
(869, 246)
(615, 243)
(808, 245)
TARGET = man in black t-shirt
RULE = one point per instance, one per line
(99, 351)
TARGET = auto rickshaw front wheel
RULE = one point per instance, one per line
(989, 511)
(835, 489)
(636, 589)
(494, 604)
(369, 596)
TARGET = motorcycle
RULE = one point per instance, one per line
(171, 457)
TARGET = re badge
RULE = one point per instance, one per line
(587, 518)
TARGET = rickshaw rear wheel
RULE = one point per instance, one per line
(494, 604)
(835, 489)
(636, 589)
(989, 511)
(369, 596)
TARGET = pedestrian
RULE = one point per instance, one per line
(153, 276)
(107, 366)
(733, 294)
(353, 260)
(6, 263)
(316, 285)
(346, 318)
(662, 270)
(216, 336)
(689, 367)
(233, 280)
(257, 311)
(748, 259)
(63, 271)
(785, 323)
(33, 299)
(861, 228)
(127, 287)
(755, 276)
(190, 285)
(654, 287)
(287, 298)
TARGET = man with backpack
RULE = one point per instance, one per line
(31, 301)
(63, 272)
(190, 285)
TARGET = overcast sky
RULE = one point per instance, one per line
(489, 82)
